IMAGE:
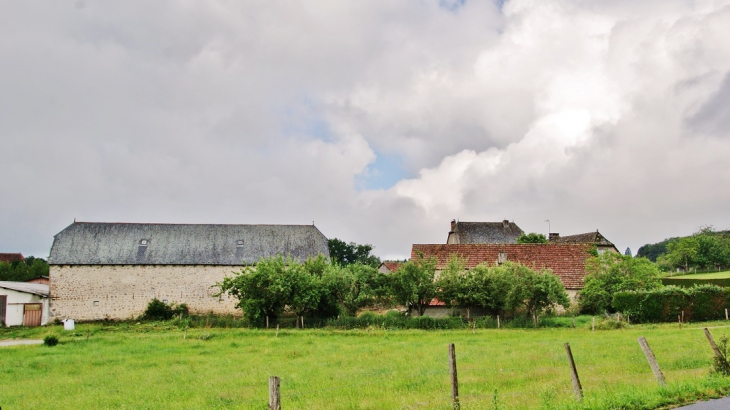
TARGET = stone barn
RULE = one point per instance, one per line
(113, 270)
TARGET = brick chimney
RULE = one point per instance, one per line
(553, 236)
(505, 223)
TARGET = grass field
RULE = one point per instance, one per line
(713, 275)
(151, 366)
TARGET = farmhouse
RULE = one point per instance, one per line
(23, 304)
(567, 261)
(11, 257)
(112, 270)
(483, 232)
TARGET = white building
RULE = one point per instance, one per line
(23, 303)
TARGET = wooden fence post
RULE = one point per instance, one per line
(277, 330)
(726, 318)
(274, 393)
(577, 388)
(593, 324)
(679, 319)
(454, 380)
(497, 321)
(652, 361)
(712, 344)
(267, 321)
(573, 320)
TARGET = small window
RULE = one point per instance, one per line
(143, 242)
(96, 303)
(502, 258)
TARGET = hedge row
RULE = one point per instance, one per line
(699, 303)
(688, 283)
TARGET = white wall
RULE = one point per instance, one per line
(14, 308)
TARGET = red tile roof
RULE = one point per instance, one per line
(392, 266)
(11, 257)
(567, 261)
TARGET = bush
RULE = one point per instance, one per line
(664, 305)
(159, 310)
(720, 364)
(50, 341)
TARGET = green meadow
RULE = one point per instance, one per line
(712, 275)
(158, 366)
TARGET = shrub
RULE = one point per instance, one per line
(159, 310)
(50, 341)
(664, 305)
(720, 364)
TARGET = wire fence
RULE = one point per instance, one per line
(484, 395)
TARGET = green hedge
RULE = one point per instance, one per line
(688, 283)
(699, 303)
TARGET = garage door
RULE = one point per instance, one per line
(32, 313)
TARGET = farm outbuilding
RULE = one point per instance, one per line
(113, 270)
(23, 304)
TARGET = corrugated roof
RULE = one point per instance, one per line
(99, 243)
(34, 288)
(486, 232)
(567, 261)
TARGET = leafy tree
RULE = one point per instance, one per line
(683, 252)
(20, 271)
(261, 291)
(456, 285)
(359, 286)
(532, 237)
(413, 285)
(535, 290)
(347, 253)
(610, 273)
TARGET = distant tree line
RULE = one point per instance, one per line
(706, 249)
(20, 271)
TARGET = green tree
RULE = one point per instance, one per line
(347, 253)
(683, 252)
(456, 286)
(359, 286)
(532, 237)
(20, 271)
(262, 291)
(535, 290)
(413, 285)
(610, 273)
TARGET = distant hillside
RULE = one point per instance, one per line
(652, 251)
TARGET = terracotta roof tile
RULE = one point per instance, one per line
(11, 257)
(567, 261)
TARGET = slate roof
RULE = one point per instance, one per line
(567, 261)
(11, 257)
(98, 243)
(486, 232)
(34, 288)
(591, 237)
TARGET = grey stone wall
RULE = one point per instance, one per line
(123, 291)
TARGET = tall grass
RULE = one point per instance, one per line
(158, 365)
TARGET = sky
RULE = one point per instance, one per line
(378, 121)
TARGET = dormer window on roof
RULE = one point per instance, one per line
(239, 242)
(143, 242)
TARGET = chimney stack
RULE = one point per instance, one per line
(553, 236)
(505, 223)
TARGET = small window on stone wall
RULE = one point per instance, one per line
(96, 303)
(143, 242)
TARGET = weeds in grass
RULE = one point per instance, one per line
(50, 340)
(720, 363)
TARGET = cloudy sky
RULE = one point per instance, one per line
(378, 120)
